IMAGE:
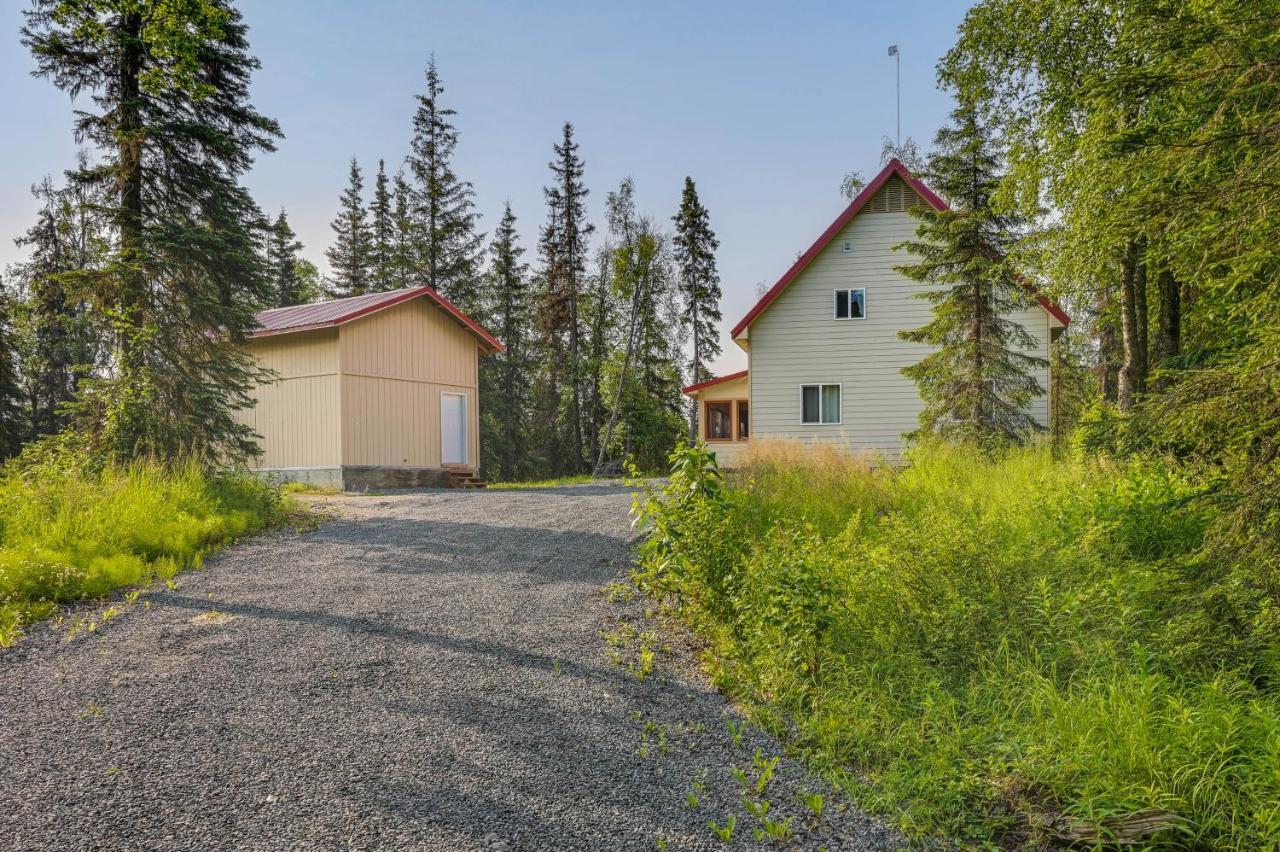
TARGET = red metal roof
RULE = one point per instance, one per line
(868, 192)
(697, 386)
(338, 311)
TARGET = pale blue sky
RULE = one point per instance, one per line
(765, 104)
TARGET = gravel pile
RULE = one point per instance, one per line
(426, 671)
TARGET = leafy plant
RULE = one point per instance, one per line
(724, 832)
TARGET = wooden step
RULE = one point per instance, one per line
(462, 478)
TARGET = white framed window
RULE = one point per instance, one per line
(820, 405)
(851, 304)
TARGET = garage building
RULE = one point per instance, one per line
(372, 391)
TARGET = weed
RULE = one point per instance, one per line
(91, 710)
(993, 640)
(71, 530)
(556, 667)
(764, 769)
(691, 799)
(814, 802)
(724, 832)
(735, 731)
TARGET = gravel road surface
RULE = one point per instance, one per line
(425, 671)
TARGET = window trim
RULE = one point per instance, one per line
(737, 419)
(820, 386)
(706, 421)
(835, 296)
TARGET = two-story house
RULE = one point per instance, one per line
(824, 360)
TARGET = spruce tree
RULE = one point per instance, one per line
(57, 338)
(13, 429)
(352, 249)
(173, 132)
(695, 247)
(508, 373)
(287, 270)
(382, 260)
(564, 256)
(447, 245)
(978, 382)
(403, 268)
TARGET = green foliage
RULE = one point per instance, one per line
(978, 380)
(446, 244)
(163, 104)
(351, 255)
(70, 529)
(979, 644)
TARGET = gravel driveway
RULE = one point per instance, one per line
(425, 671)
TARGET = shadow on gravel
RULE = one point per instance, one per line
(414, 546)
(364, 626)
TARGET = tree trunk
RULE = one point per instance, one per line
(1129, 369)
(132, 295)
(1142, 355)
(637, 299)
(695, 377)
(1168, 340)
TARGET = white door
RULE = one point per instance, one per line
(453, 428)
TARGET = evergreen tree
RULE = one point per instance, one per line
(174, 132)
(506, 376)
(695, 253)
(13, 427)
(351, 253)
(448, 247)
(564, 256)
(288, 272)
(383, 275)
(403, 269)
(977, 384)
(54, 335)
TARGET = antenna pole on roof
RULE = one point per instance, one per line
(897, 61)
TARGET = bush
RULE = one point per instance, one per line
(985, 646)
(70, 529)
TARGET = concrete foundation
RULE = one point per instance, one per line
(358, 477)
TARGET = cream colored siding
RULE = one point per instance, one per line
(298, 414)
(395, 365)
(726, 451)
(797, 341)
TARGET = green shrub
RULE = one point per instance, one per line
(979, 645)
(71, 530)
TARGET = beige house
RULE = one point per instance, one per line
(373, 391)
(823, 353)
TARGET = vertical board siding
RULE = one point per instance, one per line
(414, 340)
(395, 365)
(297, 415)
(798, 341)
(727, 452)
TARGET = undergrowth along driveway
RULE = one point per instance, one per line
(437, 670)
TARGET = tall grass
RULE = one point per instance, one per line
(70, 530)
(990, 650)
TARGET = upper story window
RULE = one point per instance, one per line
(851, 304)
(820, 404)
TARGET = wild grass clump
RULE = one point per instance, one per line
(71, 530)
(995, 650)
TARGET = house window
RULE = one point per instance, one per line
(743, 429)
(851, 304)
(820, 404)
(719, 425)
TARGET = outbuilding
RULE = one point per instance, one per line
(372, 391)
